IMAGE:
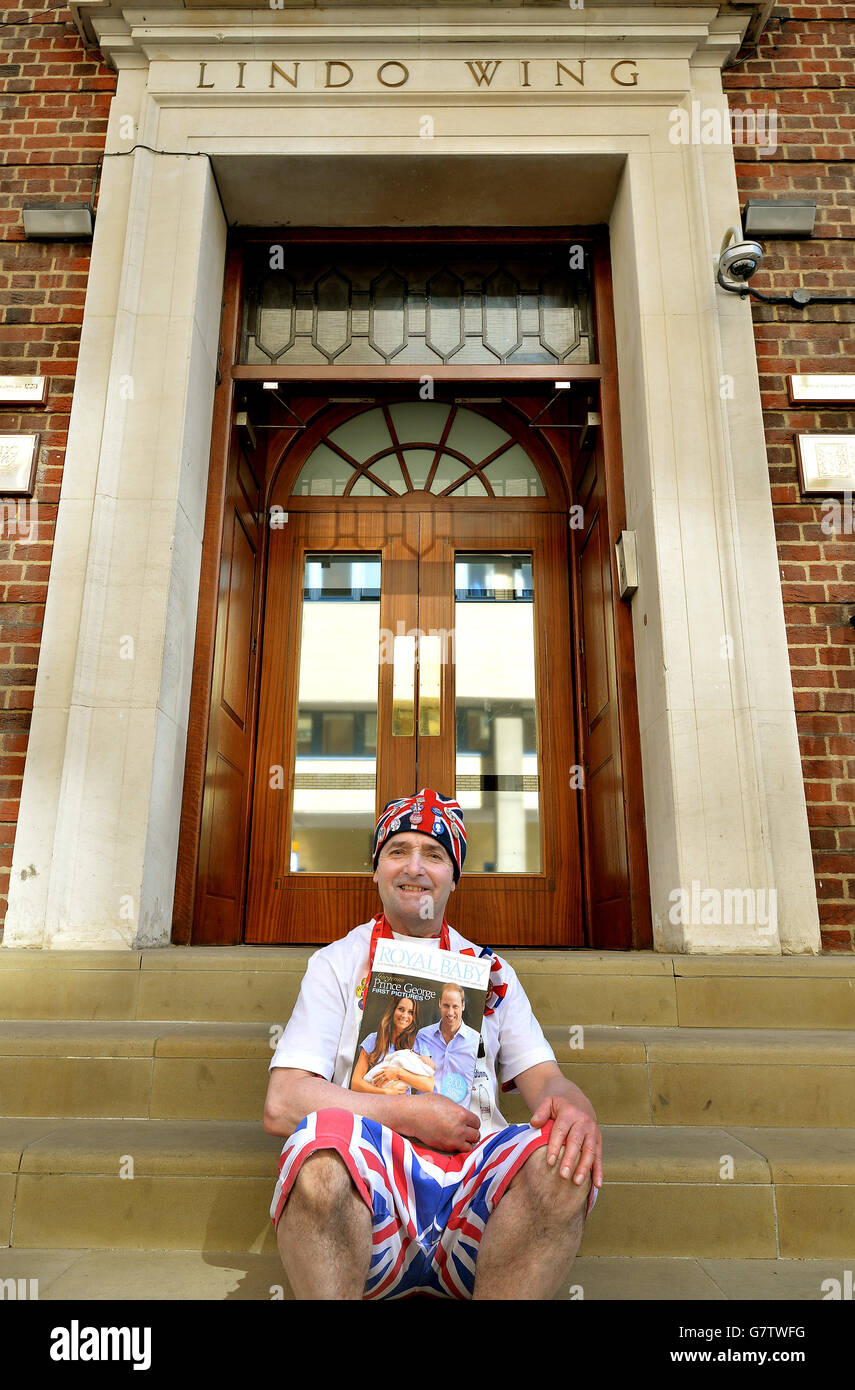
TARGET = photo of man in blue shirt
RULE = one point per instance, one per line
(452, 1044)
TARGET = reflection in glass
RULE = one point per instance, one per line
(513, 474)
(335, 768)
(404, 686)
(495, 712)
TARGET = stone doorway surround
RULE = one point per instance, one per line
(97, 839)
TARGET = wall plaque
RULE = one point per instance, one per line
(23, 390)
(19, 455)
(826, 462)
(825, 388)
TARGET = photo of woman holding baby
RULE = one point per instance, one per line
(388, 1063)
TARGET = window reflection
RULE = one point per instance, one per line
(495, 712)
(335, 765)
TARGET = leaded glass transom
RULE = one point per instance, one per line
(303, 307)
(412, 446)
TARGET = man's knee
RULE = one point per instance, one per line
(543, 1186)
(323, 1186)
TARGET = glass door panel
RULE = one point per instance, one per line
(497, 590)
(340, 587)
(335, 748)
(496, 771)
(406, 649)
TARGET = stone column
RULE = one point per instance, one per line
(725, 808)
(96, 846)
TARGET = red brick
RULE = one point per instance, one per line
(837, 941)
(837, 914)
(825, 815)
(813, 679)
(813, 746)
(815, 768)
(818, 792)
(838, 700)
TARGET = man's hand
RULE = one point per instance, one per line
(440, 1123)
(576, 1128)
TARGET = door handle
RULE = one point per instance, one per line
(403, 687)
(430, 670)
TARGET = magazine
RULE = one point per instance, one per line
(421, 1021)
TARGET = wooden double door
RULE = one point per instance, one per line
(423, 608)
(429, 648)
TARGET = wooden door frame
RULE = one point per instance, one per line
(230, 375)
(627, 694)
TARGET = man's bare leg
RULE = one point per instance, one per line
(324, 1233)
(531, 1238)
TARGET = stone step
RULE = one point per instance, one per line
(699, 1193)
(210, 1071)
(257, 984)
(217, 1275)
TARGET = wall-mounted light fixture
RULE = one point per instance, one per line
(58, 221)
(791, 218)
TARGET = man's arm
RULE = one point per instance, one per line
(550, 1096)
(433, 1120)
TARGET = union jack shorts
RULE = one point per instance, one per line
(428, 1209)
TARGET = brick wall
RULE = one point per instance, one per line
(54, 104)
(805, 66)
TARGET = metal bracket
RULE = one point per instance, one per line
(300, 425)
(590, 422)
(559, 386)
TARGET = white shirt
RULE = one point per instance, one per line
(458, 1058)
(321, 1033)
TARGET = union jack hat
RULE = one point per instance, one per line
(430, 814)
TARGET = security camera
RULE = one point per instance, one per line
(737, 262)
(741, 261)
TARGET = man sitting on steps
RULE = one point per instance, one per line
(382, 1195)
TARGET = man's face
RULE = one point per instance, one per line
(451, 1011)
(415, 878)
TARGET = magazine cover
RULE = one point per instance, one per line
(421, 1021)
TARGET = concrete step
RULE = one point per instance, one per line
(257, 984)
(699, 1193)
(214, 1275)
(210, 1071)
